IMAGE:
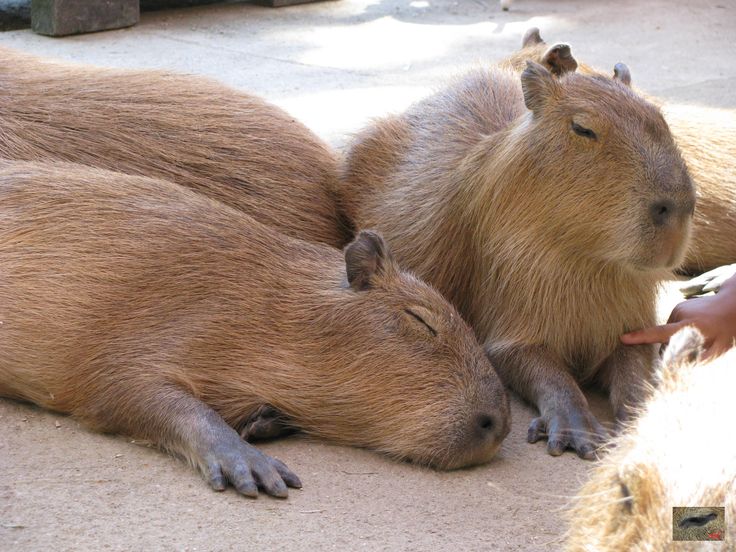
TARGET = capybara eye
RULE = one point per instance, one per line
(628, 500)
(582, 131)
(421, 320)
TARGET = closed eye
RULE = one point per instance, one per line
(421, 320)
(582, 131)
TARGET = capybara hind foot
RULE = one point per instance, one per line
(573, 428)
(266, 422)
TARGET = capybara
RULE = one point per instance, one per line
(707, 139)
(144, 308)
(678, 453)
(226, 144)
(547, 209)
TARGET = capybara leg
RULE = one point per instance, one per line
(180, 423)
(542, 379)
(266, 422)
(625, 374)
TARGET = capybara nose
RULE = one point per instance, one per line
(490, 426)
(662, 211)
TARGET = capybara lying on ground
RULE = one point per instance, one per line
(226, 144)
(144, 308)
(707, 138)
(547, 210)
(678, 453)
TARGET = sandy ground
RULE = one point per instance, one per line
(335, 65)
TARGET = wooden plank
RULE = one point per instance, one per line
(65, 17)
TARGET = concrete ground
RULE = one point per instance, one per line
(335, 65)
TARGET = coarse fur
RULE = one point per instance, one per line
(548, 242)
(707, 139)
(229, 145)
(124, 298)
(678, 453)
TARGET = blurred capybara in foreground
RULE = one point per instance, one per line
(143, 308)
(547, 210)
(226, 144)
(679, 452)
(707, 139)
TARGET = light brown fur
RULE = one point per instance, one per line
(544, 240)
(707, 139)
(131, 303)
(226, 144)
(679, 452)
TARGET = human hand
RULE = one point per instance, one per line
(713, 315)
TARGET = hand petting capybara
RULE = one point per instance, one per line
(144, 308)
(707, 139)
(678, 453)
(229, 145)
(547, 209)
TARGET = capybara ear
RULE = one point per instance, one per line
(621, 73)
(559, 59)
(366, 257)
(685, 348)
(531, 37)
(538, 85)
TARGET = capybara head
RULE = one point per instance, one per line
(679, 453)
(605, 161)
(438, 400)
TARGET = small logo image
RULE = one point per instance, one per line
(698, 523)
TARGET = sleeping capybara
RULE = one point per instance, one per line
(678, 453)
(706, 137)
(144, 308)
(547, 209)
(226, 144)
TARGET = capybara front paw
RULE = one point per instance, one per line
(248, 470)
(579, 431)
(266, 422)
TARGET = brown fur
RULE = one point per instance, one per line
(544, 240)
(124, 298)
(226, 144)
(678, 453)
(707, 139)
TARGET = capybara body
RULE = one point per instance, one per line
(229, 145)
(144, 308)
(707, 139)
(547, 211)
(678, 453)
